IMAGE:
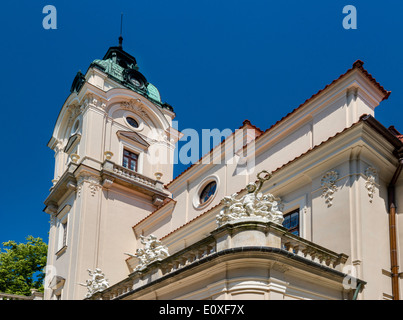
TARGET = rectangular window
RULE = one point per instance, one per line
(130, 160)
(64, 228)
(291, 222)
(62, 235)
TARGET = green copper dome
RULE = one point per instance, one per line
(122, 67)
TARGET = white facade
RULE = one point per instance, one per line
(331, 163)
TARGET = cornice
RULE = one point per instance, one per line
(105, 176)
(66, 184)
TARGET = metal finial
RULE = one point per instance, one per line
(121, 27)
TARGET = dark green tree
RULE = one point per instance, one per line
(21, 266)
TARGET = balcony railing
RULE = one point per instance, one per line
(135, 176)
(35, 295)
(312, 251)
(272, 239)
(132, 177)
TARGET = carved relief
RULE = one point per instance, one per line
(370, 182)
(153, 250)
(92, 100)
(252, 205)
(93, 181)
(136, 106)
(328, 183)
(73, 111)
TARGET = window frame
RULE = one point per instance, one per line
(62, 229)
(130, 160)
(135, 117)
(124, 144)
(197, 204)
(129, 119)
(202, 202)
(297, 227)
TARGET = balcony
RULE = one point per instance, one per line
(113, 173)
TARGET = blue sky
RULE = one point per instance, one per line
(216, 62)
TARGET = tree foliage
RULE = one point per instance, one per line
(21, 266)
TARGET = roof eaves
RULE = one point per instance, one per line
(165, 203)
(246, 123)
(356, 65)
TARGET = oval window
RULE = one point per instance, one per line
(132, 122)
(208, 191)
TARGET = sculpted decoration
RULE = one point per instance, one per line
(328, 184)
(153, 250)
(370, 182)
(252, 205)
(96, 283)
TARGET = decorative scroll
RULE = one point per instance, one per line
(328, 183)
(153, 250)
(252, 205)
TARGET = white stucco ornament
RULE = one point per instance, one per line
(253, 205)
(97, 283)
(370, 182)
(153, 250)
(328, 184)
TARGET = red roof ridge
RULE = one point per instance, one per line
(165, 202)
(394, 131)
(195, 218)
(358, 64)
(245, 123)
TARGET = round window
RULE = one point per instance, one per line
(208, 191)
(132, 122)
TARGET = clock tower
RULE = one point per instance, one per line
(114, 148)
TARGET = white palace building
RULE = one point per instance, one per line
(307, 209)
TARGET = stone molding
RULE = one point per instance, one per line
(94, 183)
(92, 100)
